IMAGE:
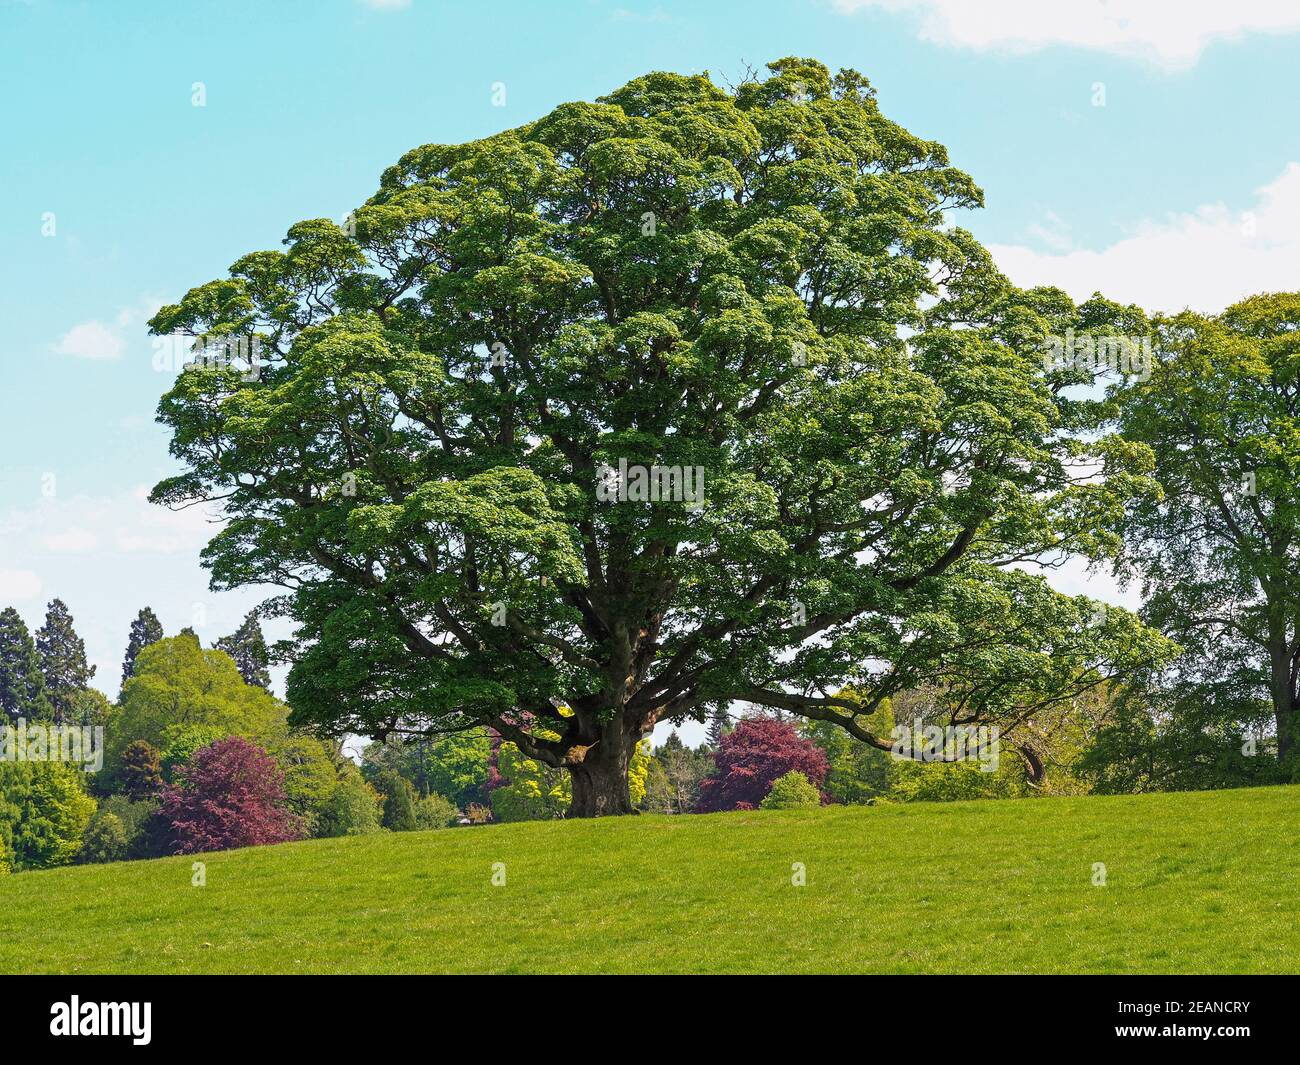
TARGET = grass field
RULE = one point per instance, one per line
(1199, 882)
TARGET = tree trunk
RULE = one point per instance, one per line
(600, 780)
(1281, 687)
(1284, 709)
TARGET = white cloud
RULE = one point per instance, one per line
(95, 340)
(18, 585)
(1170, 33)
(91, 340)
(1206, 259)
(73, 541)
(131, 523)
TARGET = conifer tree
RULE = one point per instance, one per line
(22, 687)
(719, 726)
(145, 629)
(62, 655)
(247, 646)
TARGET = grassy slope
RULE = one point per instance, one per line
(1201, 882)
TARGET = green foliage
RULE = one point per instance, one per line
(532, 791)
(146, 834)
(719, 726)
(917, 781)
(177, 683)
(791, 791)
(105, 839)
(351, 809)
(247, 646)
(638, 773)
(454, 765)
(658, 792)
(433, 811)
(674, 775)
(145, 630)
(90, 706)
(62, 655)
(859, 773)
(309, 772)
(180, 741)
(399, 802)
(22, 685)
(141, 773)
(182, 698)
(1220, 415)
(44, 811)
(1183, 740)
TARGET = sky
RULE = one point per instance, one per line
(1143, 148)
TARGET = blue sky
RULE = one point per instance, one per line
(1179, 188)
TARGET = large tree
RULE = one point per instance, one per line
(1219, 551)
(62, 655)
(758, 283)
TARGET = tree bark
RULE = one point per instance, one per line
(600, 779)
(1283, 694)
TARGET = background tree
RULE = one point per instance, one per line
(147, 835)
(231, 794)
(352, 809)
(435, 812)
(683, 768)
(22, 686)
(453, 765)
(62, 655)
(398, 802)
(181, 740)
(751, 758)
(90, 706)
(141, 772)
(182, 698)
(1218, 553)
(791, 791)
(176, 683)
(530, 790)
(1182, 733)
(247, 646)
(857, 772)
(105, 839)
(759, 283)
(44, 811)
(719, 726)
(145, 629)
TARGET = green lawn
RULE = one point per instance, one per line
(1199, 882)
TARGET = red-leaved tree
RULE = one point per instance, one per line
(751, 758)
(231, 794)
